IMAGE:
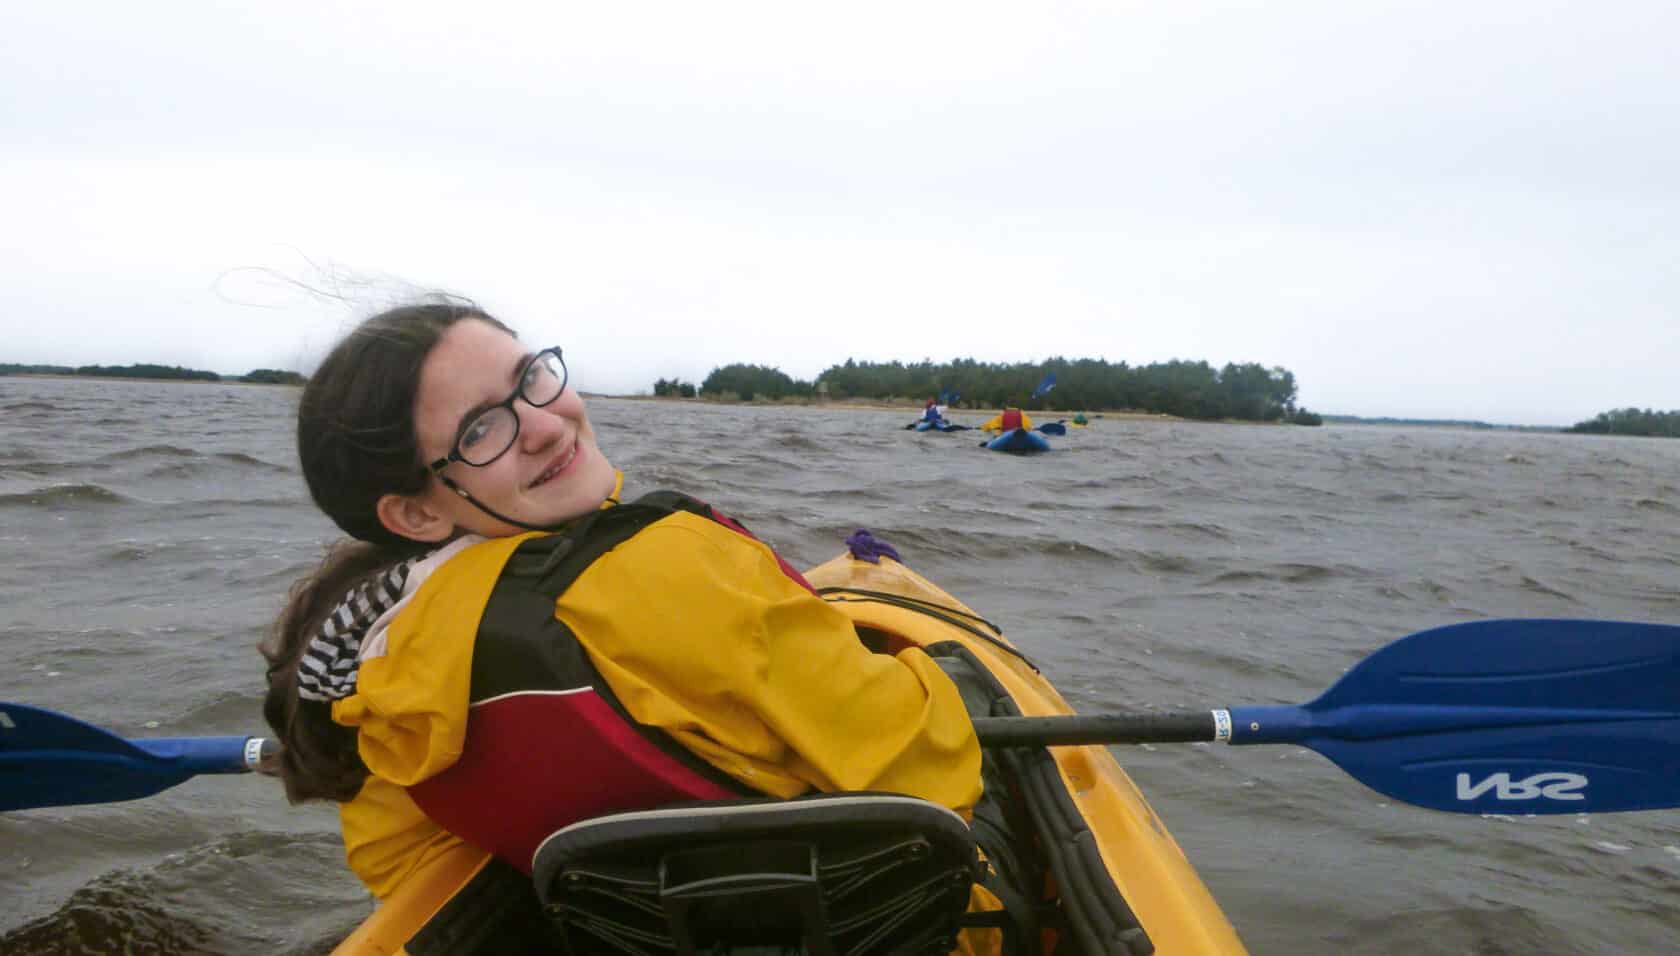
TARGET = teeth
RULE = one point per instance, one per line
(558, 467)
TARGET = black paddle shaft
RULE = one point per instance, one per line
(1185, 727)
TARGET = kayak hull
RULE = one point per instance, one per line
(888, 602)
(1019, 442)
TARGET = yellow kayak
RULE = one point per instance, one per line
(1125, 886)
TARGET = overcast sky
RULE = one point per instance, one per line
(1442, 210)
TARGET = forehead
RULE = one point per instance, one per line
(472, 363)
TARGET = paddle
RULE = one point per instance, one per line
(1054, 428)
(50, 760)
(1502, 716)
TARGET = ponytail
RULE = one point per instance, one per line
(318, 758)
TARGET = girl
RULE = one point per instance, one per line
(505, 647)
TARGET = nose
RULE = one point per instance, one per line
(539, 428)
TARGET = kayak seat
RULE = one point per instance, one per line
(836, 874)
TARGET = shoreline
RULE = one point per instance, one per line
(139, 378)
(909, 407)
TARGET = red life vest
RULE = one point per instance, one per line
(1011, 419)
(545, 734)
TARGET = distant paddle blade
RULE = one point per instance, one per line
(1053, 428)
(1044, 386)
(1508, 716)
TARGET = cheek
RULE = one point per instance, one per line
(498, 478)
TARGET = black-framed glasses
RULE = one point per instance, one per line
(488, 435)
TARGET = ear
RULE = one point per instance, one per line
(413, 517)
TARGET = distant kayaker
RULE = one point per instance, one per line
(1007, 421)
(621, 657)
(932, 413)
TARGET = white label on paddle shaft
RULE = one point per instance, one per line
(1222, 726)
(253, 751)
(6, 721)
(1552, 786)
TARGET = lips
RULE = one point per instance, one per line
(556, 467)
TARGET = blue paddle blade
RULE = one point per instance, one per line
(1505, 716)
(1053, 428)
(50, 760)
(1044, 386)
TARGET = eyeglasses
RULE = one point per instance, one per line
(490, 433)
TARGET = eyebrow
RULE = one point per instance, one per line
(482, 407)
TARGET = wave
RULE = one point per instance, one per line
(1162, 562)
(1288, 573)
(195, 469)
(248, 461)
(34, 468)
(151, 451)
(214, 505)
(985, 546)
(28, 406)
(178, 905)
(1192, 529)
(63, 496)
(1485, 928)
(1126, 507)
(796, 442)
(1540, 587)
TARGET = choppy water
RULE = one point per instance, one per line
(148, 532)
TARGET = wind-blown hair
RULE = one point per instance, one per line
(356, 443)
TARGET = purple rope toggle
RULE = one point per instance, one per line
(866, 547)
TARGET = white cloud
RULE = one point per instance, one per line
(1420, 209)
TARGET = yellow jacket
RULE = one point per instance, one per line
(698, 632)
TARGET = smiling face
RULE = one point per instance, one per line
(552, 473)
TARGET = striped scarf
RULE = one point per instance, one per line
(355, 630)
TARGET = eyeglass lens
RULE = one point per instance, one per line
(490, 434)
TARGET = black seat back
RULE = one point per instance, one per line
(845, 874)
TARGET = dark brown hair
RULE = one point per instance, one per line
(356, 443)
(355, 430)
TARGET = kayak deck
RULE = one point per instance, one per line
(1139, 855)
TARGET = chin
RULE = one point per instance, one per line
(585, 492)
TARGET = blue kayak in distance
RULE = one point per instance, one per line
(1020, 441)
(940, 426)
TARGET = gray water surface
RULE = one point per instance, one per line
(148, 532)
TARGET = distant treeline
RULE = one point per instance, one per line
(1632, 421)
(1436, 423)
(673, 388)
(262, 376)
(1249, 392)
